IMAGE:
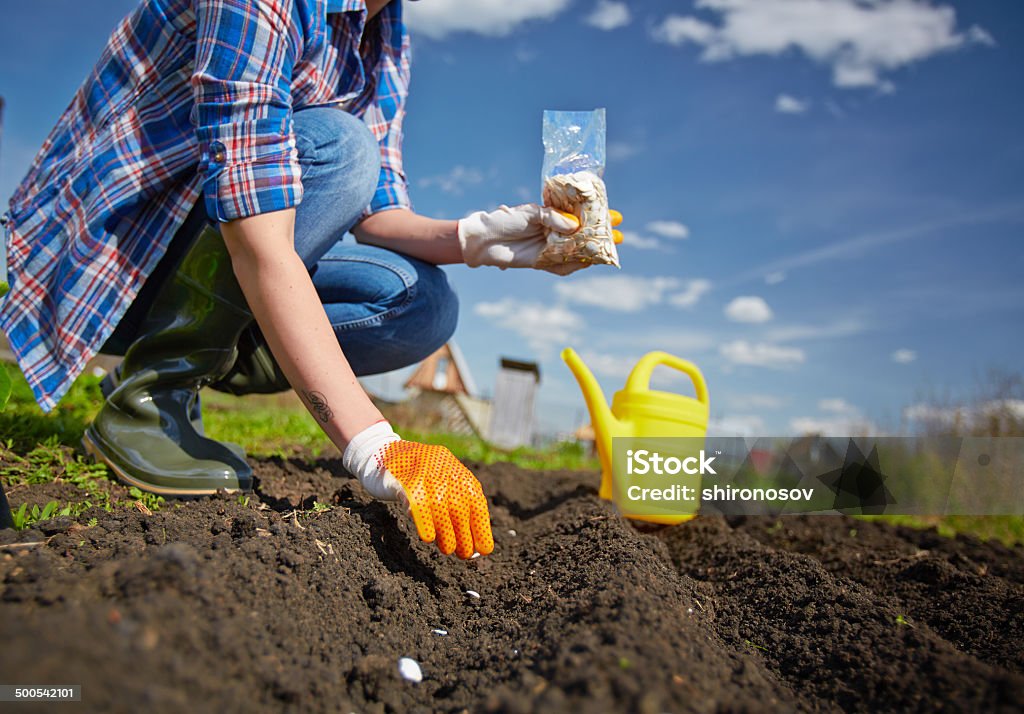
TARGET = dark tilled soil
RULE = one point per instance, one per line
(213, 605)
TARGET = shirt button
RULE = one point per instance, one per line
(218, 152)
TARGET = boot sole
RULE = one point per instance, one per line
(93, 450)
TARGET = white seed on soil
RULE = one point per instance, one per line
(439, 631)
(410, 669)
(473, 593)
(475, 555)
(512, 533)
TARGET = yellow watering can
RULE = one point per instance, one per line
(639, 412)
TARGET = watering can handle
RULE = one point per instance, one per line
(640, 378)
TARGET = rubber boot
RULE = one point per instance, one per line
(255, 370)
(195, 411)
(144, 432)
(6, 519)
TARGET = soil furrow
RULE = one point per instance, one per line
(804, 621)
(941, 587)
(214, 605)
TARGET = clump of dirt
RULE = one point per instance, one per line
(222, 605)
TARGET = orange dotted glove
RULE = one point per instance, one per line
(444, 497)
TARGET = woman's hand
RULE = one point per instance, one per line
(444, 497)
(510, 237)
(514, 237)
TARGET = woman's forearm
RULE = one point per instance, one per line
(286, 306)
(433, 240)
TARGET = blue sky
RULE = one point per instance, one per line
(824, 199)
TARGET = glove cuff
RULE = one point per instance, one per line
(472, 229)
(361, 459)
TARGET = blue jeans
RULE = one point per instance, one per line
(388, 310)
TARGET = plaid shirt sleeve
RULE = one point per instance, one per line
(389, 109)
(245, 53)
(392, 190)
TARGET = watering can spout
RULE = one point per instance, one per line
(600, 414)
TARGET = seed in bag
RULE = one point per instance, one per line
(574, 158)
(582, 194)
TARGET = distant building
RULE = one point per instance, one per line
(512, 417)
(443, 371)
(444, 396)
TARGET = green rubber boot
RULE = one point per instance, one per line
(144, 432)
(255, 370)
(195, 413)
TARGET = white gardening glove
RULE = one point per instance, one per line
(513, 237)
(360, 460)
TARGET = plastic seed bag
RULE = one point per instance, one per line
(574, 159)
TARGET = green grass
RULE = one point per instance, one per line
(23, 517)
(280, 426)
(24, 425)
(564, 455)
(39, 448)
(1007, 529)
(263, 425)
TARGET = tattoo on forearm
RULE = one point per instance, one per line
(318, 402)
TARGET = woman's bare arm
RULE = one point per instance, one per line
(429, 239)
(286, 306)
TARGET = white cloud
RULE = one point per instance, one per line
(859, 39)
(608, 15)
(762, 354)
(619, 293)
(837, 405)
(621, 150)
(736, 425)
(748, 308)
(691, 294)
(542, 326)
(785, 104)
(834, 426)
(605, 365)
(774, 278)
(925, 413)
(755, 401)
(844, 327)
(455, 181)
(438, 18)
(619, 367)
(903, 356)
(965, 415)
(525, 55)
(669, 229)
(678, 30)
(640, 242)
(981, 36)
(680, 342)
(844, 419)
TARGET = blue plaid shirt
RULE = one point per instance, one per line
(190, 100)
